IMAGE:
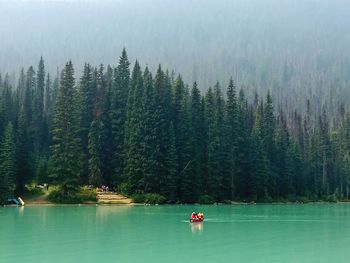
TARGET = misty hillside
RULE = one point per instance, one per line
(298, 49)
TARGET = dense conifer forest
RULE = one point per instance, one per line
(149, 132)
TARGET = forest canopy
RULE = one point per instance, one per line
(146, 132)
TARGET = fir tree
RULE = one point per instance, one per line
(95, 162)
(120, 97)
(192, 173)
(6, 103)
(106, 132)
(65, 163)
(149, 162)
(24, 162)
(88, 92)
(7, 164)
(38, 114)
(259, 180)
(181, 123)
(133, 134)
(162, 124)
(231, 140)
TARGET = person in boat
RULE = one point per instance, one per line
(200, 216)
(194, 216)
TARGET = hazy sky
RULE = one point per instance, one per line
(205, 40)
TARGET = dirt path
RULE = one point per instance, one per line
(112, 198)
(36, 200)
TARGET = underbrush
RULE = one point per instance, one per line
(33, 191)
(148, 198)
(82, 195)
(206, 200)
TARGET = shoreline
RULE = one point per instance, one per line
(50, 204)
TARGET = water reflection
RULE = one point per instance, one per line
(196, 227)
(21, 210)
(104, 212)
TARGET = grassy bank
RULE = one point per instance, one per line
(85, 195)
(55, 195)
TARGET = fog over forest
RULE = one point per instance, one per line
(297, 49)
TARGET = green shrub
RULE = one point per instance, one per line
(154, 199)
(123, 188)
(81, 196)
(138, 198)
(34, 191)
(206, 199)
(148, 198)
(331, 198)
(303, 199)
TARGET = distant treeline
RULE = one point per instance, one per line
(154, 134)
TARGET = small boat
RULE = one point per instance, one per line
(197, 218)
(15, 201)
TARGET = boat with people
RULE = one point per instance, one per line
(197, 217)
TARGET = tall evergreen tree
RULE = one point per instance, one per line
(231, 140)
(38, 114)
(95, 160)
(133, 133)
(149, 162)
(29, 100)
(260, 176)
(24, 162)
(65, 162)
(120, 97)
(7, 164)
(88, 92)
(268, 126)
(192, 176)
(6, 103)
(106, 132)
(162, 125)
(243, 156)
(181, 124)
(213, 181)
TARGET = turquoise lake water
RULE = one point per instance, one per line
(239, 233)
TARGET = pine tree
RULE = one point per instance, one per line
(326, 153)
(268, 135)
(149, 162)
(192, 174)
(97, 131)
(21, 87)
(65, 162)
(7, 164)
(6, 103)
(244, 153)
(282, 160)
(212, 182)
(106, 132)
(95, 162)
(87, 92)
(23, 156)
(181, 123)
(260, 176)
(47, 96)
(231, 141)
(133, 134)
(120, 97)
(47, 115)
(171, 164)
(38, 113)
(28, 101)
(162, 124)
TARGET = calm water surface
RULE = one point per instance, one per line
(242, 233)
